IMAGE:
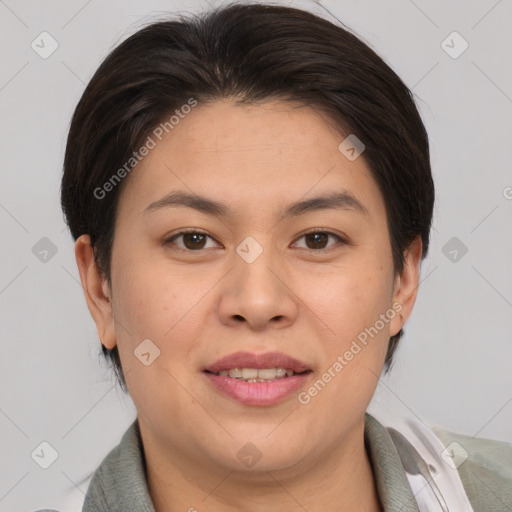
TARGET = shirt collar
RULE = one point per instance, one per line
(119, 484)
(393, 487)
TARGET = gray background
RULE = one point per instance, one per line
(454, 364)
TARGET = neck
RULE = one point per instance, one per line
(339, 481)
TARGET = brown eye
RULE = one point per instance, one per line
(191, 240)
(318, 240)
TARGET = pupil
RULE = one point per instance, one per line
(193, 238)
(318, 239)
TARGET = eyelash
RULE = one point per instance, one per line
(171, 239)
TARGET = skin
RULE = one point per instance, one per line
(200, 305)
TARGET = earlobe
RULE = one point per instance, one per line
(96, 290)
(406, 285)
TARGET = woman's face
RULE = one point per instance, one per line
(252, 280)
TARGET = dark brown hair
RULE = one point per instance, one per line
(248, 53)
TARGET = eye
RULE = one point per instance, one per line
(192, 240)
(317, 240)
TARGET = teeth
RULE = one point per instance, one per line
(257, 375)
(249, 373)
(267, 373)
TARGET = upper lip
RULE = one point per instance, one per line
(258, 361)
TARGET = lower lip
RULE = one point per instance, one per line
(258, 393)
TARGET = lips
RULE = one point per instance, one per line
(258, 361)
(224, 377)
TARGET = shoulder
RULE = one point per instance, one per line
(103, 481)
(111, 479)
(484, 467)
(119, 484)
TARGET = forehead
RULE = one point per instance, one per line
(250, 156)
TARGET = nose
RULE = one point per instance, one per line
(258, 292)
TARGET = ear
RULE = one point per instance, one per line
(96, 291)
(406, 285)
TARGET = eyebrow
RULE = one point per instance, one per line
(336, 200)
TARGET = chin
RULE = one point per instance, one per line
(252, 457)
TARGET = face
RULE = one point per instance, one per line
(268, 270)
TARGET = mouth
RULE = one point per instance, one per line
(258, 379)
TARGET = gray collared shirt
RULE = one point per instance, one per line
(119, 484)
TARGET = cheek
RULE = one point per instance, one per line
(349, 299)
(355, 344)
(165, 303)
(155, 304)
(152, 297)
